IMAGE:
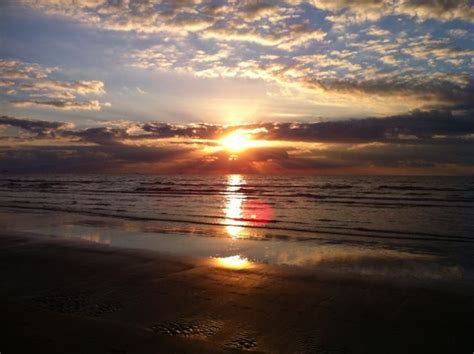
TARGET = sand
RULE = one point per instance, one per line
(65, 296)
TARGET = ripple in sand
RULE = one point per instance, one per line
(243, 341)
(188, 328)
(80, 302)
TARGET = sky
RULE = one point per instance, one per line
(300, 86)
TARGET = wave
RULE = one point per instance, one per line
(421, 188)
(385, 207)
(272, 198)
(390, 234)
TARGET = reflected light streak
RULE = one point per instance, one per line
(233, 206)
(233, 262)
(241, 211)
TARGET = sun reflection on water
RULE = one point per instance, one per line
(244, 213)
(233, 206)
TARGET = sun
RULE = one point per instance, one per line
(238, 141)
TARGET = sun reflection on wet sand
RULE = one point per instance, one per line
(96, 237)
(233, 262)
(233, 209)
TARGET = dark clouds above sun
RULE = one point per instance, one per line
(151, 85)
(420, 142)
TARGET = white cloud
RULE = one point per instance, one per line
(31, 86)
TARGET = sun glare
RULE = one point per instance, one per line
(236, 141)
(240, 140)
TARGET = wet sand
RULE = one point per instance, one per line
(68, 296)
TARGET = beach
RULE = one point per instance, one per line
(236, 176)
(190, 264)
(62, 295)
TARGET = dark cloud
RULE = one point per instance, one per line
(165, 130)
(93, 105)
(435, 93)
(99, 136)
(437, 152)
(415, 125)
(443, 10)
(84, 159)
(420, 140)
(38, 127)
(420, 125)
(254, 8)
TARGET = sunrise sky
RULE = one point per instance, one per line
(198, 86)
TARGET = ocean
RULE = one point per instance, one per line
(397, 226)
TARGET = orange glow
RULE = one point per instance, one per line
(236, 141)
(240, 140)
(233, 262)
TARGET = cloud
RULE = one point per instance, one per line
(390, 60)
(81, 159)
(39, 127)
(228, 21)
(417, 125)
(360, 10)
(290, 44)
(458, 32)
(439, 49)
(284, 37)
(423, 125)
(93, 105)
(421, 142)
(441, 91)
(76, 87)
(372, 10)
(6, 83)
(377, 31)
(437, 9)
(411, 72)
(17, 70)
(31, 87)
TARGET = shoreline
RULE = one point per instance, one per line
(57, 293)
